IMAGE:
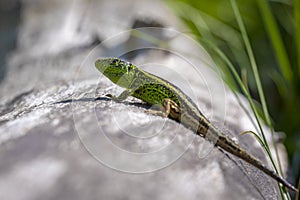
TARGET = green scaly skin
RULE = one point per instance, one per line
(174, 104)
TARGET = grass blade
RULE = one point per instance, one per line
(259, 87)
(274, 35)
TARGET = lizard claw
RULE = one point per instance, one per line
(109, 95)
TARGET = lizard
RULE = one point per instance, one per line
(172, 102)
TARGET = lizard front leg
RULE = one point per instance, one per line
(121, 97)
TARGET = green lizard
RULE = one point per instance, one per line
(173, 103)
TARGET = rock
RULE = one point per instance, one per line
(61, 138)
(77, 150)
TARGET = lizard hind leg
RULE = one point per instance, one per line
(172, 108)
(167, 108)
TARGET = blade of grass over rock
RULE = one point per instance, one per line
(260, 90)
(246, 111)
(265, 146)
(237, 78)
(283, 191)
(258, 139)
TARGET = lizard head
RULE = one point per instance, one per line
(118, 71)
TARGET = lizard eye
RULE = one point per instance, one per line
(114, 61)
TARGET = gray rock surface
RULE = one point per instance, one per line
(61, 138)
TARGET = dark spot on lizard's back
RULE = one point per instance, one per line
(130, 67)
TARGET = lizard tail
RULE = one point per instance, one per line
(229, 145)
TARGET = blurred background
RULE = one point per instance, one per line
(273, 28)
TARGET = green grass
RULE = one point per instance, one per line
(248, 38)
